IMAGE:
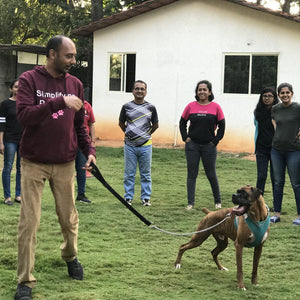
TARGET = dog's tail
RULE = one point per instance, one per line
(205, 210)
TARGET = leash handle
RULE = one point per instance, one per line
(95, 171)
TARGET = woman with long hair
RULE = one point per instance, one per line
(263, 135)
(206, 125)
(285, 153)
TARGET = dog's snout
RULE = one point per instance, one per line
(235, 198)
(241, 198)
(238, 192)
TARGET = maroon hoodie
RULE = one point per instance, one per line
(52, 132)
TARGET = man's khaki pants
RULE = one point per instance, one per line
(61, 180)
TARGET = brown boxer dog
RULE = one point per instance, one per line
(247, 225)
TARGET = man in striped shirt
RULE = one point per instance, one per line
(138, 119)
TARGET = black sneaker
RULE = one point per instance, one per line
(129, 201)
(146, 202)
(23, 292)
(83, 198)
(75, 269)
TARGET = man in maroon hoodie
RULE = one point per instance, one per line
(50, 108)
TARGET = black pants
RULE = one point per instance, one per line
(208, 154)
(262, 164)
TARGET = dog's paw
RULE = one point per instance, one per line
(178, 266)
(224, 269)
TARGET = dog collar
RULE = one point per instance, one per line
(258, 229)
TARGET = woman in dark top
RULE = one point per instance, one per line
(263, 135)
(206, 126)
(10, 136)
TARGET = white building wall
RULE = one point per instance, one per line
(182, 43)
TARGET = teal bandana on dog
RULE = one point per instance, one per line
(258, 229)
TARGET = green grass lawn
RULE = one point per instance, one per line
(125, 259)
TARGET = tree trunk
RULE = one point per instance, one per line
(286, 7)
(97, 10)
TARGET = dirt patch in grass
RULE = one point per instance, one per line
(116, 144)
(250, 157)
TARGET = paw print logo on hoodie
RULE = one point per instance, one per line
(58, 114)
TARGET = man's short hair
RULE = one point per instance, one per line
(54, 43)
(139, 81)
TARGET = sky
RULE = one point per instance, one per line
(273, 4)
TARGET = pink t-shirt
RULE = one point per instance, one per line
(88, 116)
(204, 120)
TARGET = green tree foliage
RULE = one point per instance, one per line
(31, 21)
(34, 21)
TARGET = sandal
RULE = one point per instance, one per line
(18, 199)
(8, 201)
(189, 207)
(275, 219)
(297, 221)
(218, 205)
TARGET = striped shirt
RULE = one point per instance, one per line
(139, 119)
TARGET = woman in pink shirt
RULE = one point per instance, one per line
(202, 126)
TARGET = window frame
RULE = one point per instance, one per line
(250, 55)
(123, 71)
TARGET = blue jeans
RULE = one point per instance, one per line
(282, 160)
(208, 154)
(141, 156)
(10, 149)
(80, 173)
(262, 165)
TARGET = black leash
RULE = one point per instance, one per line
(95, 171)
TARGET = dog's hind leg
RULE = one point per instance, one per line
(222, 243)
(195, 241)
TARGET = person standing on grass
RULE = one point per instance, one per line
(204, 117)
(80, 160)
(138, 119)
(285, 153)
(10, 136)
(264, 131)
(50, 108)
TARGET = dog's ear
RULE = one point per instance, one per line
(256, 193)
